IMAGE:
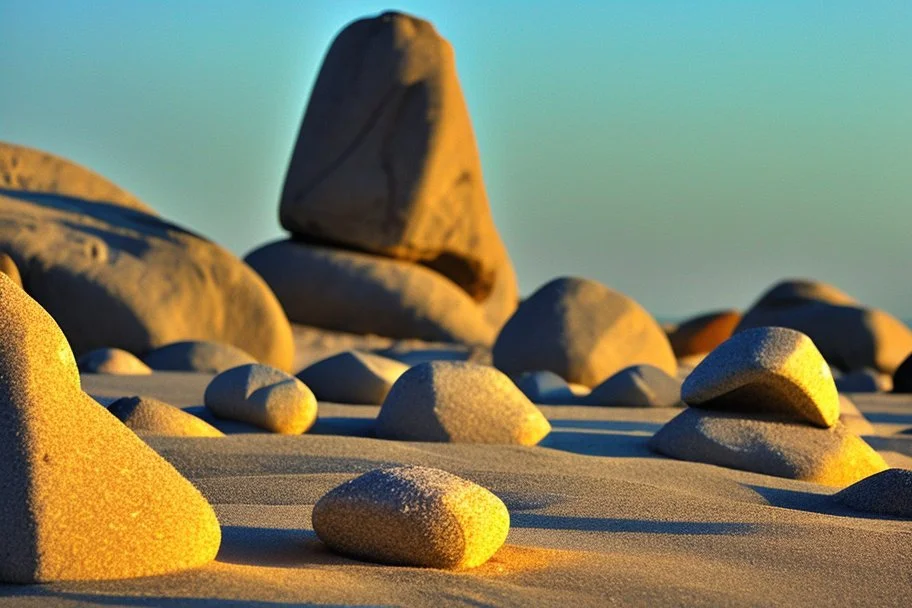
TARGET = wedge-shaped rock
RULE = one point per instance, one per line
(637, 386)
(352, 377)
(767, 370)
(460, 403)
(886, 493)
(83, 497)
(197, 356)
(113, 361)
(413, 516)
(159, 418)
(263, 396)
(831, 456)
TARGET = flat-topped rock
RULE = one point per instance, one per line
(114, 361)
(767, 370)
(459, 403)
(582, 331)
(197, 356)
(412, 516)
(263, 396)
(156, 417)
(886, 493)
(637, 386)
(83, 497)
(701, 334)
(352, 377)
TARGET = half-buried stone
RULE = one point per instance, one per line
(546, 388)
(460, 403)
(263, 396)
(637, 386)
(83, 497)
(413, 516)
(352, 377)
(156, 417)
(197, 356)
(113, 361)
(886, 493)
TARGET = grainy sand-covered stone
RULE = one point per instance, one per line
(83, 497)
(113, 361)
(637, 386)
(546, 388)
(413, 516)
(886, 493)
(9, 268)
(352, 377)
(703, 333)
(582, 331)
(832, 456)
(197, 356)
(460, 403)
(153, 416)
(769, 370)
(263, 396)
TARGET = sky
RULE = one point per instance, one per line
(688, 154)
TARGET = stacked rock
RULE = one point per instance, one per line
(765, 401)
(391, 233)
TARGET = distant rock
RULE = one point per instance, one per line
(852, 418)
(545, 388)
(703, 333)
(386, 161)
(637, 386)
(116, 277)
(412, 516)
(864, 381)
(263, 396)
(767, 370)
(459, 403)
(9, 268)
(197, 356)
(791, 292)
(366, 294)
(582, 331)
(902, 378)
(159, 418)
(113, 361)
(352, 377)
(83, 498)
(833, 456)
(886, 493)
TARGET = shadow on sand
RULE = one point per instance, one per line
(635, 526)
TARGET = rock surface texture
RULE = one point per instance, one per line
(886, 493)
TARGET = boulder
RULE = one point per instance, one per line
(262, 396)
(366, 294)
(159, 418)
(791, 292)
(545, 388)
(197, 356)
(352, 377)
(112, 276)
(9, 268)
(637, 386)
(832, 456)
(902, 377)
(582, 331)
(767, 370)
(886, 493)
(703, 333)
(113, 361)
(459, 402)
(386, 161)
(412, 516)
(83, 497)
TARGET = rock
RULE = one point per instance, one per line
(849, 336)
(459, 403)
(352, 377)
(83, 497)
(902, 377)
(830, 456)
(546, 388)
(582, 331)
(863, 381)
(886, 493)
(9, 268)
(28, 170)
(113, 361)
(115, 277)
(767, 370)
(159, 418)
(263, 396)
(197, 356)
(637, 386)
(386, 160)
(852, 418)
(412, 516)
(366, 294)
(702, 334)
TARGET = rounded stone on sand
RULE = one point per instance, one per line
(886, 493)
(156, 417)
(637, 386)
(546, 388)
(113, 361)
(412, 516)
(197, 356)
(352, 377)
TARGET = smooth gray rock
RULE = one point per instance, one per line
(637, 386)
(546, 388)
(886, 493)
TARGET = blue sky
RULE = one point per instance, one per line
(686, 153)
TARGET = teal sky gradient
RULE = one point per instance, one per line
(686, 153)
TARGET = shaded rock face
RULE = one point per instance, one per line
(701, 334)
(582, 331)
(413, 516)
(83, 498)
(902, 377)
(112, 276)
(545, 388)
(386, 161)
(886, 493)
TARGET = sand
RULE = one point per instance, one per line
(596, 519)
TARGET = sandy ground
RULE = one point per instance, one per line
(596, 519)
